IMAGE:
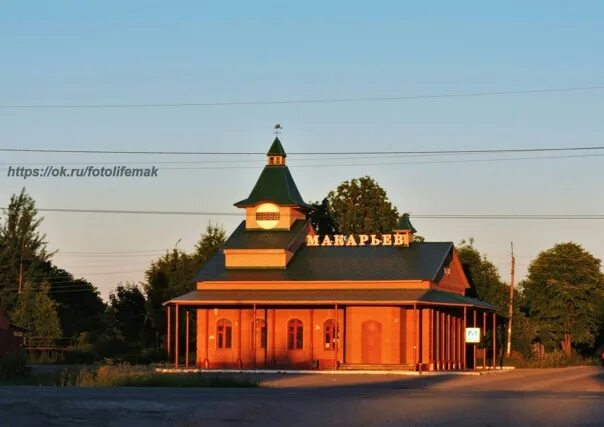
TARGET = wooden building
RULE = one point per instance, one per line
(276, 295)
(11, 336)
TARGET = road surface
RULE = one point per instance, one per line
(547, 397)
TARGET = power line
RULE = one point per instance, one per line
(422, 216)
(304, 101)
(316, 153)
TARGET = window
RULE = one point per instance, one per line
(260, 334)
(295, 335)
(267, 216)
(330, 334)
(224, 332)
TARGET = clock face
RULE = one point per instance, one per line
(267, 216)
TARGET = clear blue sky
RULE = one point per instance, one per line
(110, 52)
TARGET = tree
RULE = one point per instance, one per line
(322, 219)
(173, 274)
(79, 303)
(126, 313)
(361, 206)
(22, 248)
(36, 311)
(563, 292)
(484, 275)
(210, 240)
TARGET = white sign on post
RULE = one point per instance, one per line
(472, 335)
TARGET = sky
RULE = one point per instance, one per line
(121, 53)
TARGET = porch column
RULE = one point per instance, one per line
(484, 334)
(188, 319)
(437, 338)
(273, 339)
(312, 336)
(239, 361)
(494, 360)
(474, 345)
(432, 360)
(443, 333)
(168, 331)
(254, 335)
(206, 362)
(414, 337)
(337, 343)
(463, 347)
(460, 331)
(176, 336)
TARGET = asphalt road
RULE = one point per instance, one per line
(561, 397)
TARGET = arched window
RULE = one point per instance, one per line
(330, 335)
(224, 334)
(260, 334)
(295, 335)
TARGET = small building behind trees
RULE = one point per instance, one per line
(11, 336)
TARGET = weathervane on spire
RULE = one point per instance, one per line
(278, 129)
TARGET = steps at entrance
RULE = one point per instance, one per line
(363, 367)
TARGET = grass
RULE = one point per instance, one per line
(556, 359)
(125, 375)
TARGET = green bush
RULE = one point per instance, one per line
(13, 367)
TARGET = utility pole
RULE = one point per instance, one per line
(511, 309)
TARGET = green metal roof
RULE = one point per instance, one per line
(418, 261)
(404, 223)
(327, 296)
(275, 185)
(267, 239)
(276, 149)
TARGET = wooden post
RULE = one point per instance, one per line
(463, 335)
(443, 333)
(508, 350)
(176, 336)
(494, 359)
(168, 332)
(187, 321)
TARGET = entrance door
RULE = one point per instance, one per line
(371, 341)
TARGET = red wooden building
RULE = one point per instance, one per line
(276, 295)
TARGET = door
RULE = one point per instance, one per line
(371, 338)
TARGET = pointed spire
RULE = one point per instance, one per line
(276, 149)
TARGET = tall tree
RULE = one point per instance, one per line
(79, 303)
(172, 275)
(361, 206)
(211, 239)
(22, 248)
(36, 311)
(563, 292)
(126, 313)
